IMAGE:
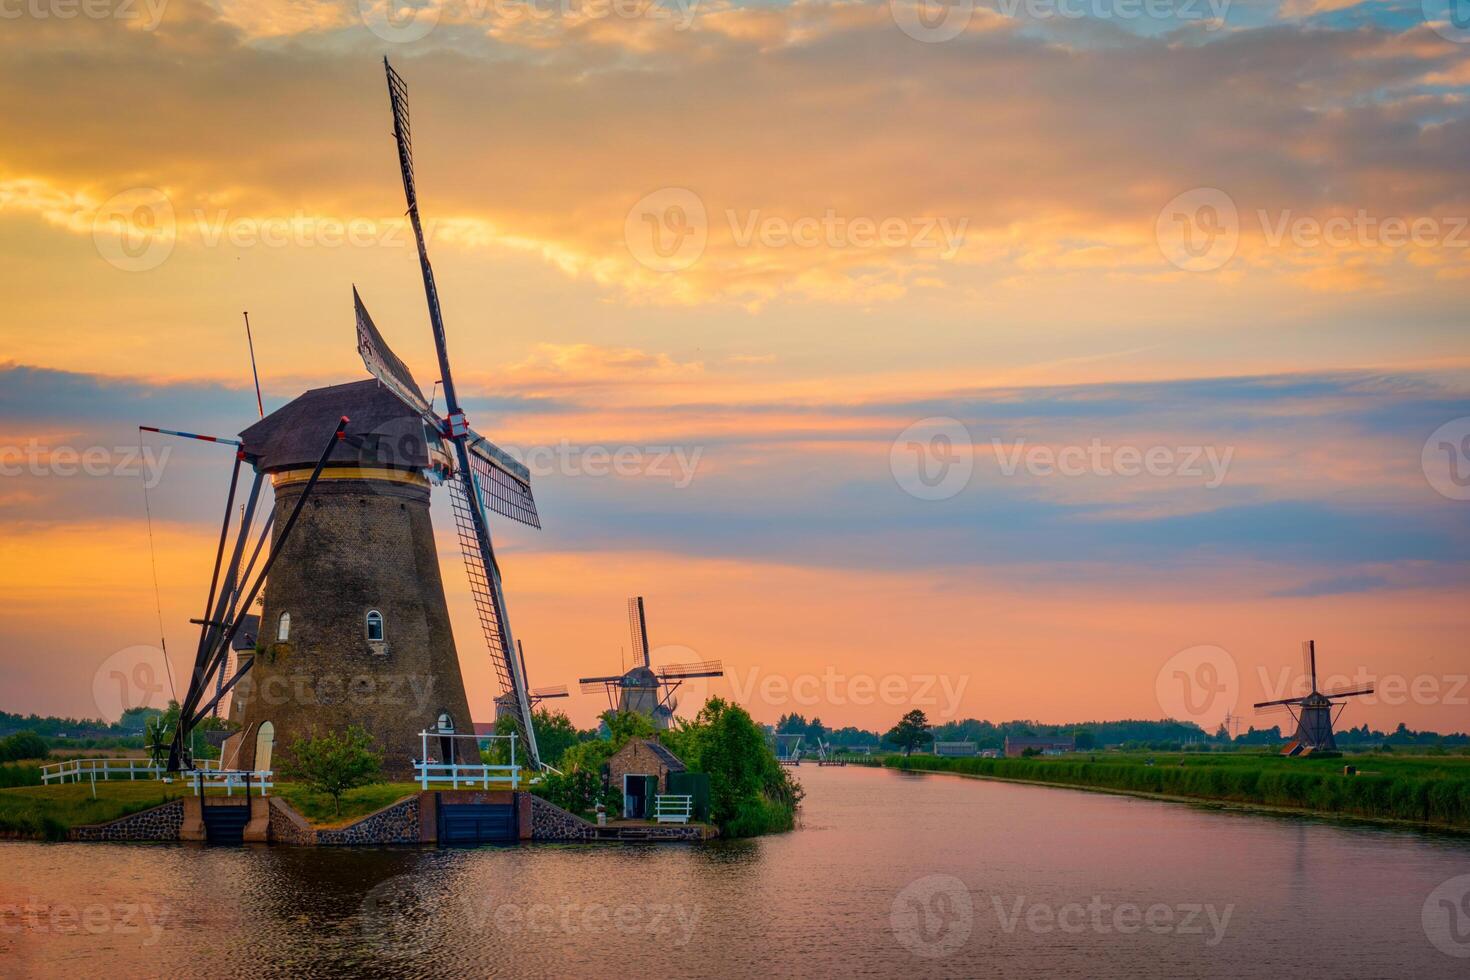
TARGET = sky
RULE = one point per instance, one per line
(1049, 359)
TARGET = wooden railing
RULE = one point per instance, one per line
(673, 808)
(457, 775)
(230, 779)
(75, 770)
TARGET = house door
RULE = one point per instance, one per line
(265, 742)
(638, 793)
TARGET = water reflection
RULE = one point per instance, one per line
(891, 874)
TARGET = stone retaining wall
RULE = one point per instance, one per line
(288, 826)
(156, 823)
(550, 822)
(397, 823)
(669, 832)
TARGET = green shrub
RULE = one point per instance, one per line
(22, 745)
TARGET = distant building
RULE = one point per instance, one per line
(1016, 745)
(956, 749)
(641, 769)
(484, 729)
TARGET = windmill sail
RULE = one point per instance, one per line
(481, 586)
(469, 488)
(638, 626)
(385, 365)
(505, 484)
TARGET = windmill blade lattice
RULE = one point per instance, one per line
(638, 628)
(502, 489)
(707, 668)
(479, 579)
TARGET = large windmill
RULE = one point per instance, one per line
(355, 626)
(646, 689)
(1316, 713)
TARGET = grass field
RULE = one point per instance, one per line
(48, 812)
(1432, 791)
(356, 803)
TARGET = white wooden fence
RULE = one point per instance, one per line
(471, 776)
(229, 779)
(76, 770)
(673, 808)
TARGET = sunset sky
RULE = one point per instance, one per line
(838, 279)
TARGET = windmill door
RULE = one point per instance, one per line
(265, 743)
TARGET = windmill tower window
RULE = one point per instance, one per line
(283, 629)
(374, 626)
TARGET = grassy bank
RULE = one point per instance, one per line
(48, 812)
(356, 803)
(1430, 792)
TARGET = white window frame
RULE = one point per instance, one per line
(368, 626)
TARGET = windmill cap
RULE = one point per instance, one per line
(385, 430)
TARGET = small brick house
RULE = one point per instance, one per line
(641, 770)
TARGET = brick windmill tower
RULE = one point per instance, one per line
(355, 626)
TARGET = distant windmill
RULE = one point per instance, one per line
(506, 703)
(788, 748)
(1314, 714)
(646, 689)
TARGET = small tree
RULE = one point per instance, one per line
(555, 734)
(335, 762)
(911, 732)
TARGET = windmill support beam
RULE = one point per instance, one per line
(190, 713)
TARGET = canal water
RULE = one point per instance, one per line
(890, 875)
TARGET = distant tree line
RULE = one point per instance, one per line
(1358, 738)
(1126, 734)
(130, 724)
